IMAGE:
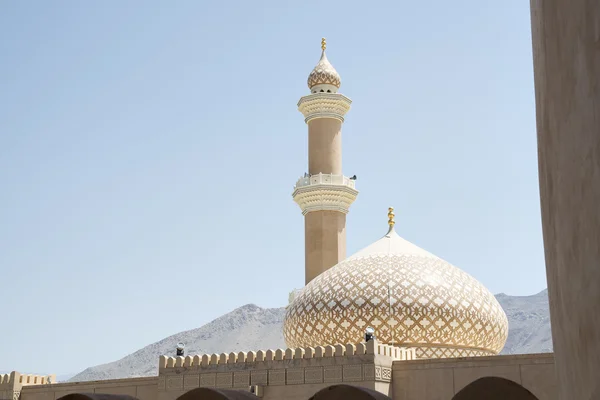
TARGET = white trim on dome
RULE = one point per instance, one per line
(392, 243)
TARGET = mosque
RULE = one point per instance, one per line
(392, 321)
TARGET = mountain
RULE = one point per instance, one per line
(244, 329)
(64, 377)
(528, 323)
(253, 328)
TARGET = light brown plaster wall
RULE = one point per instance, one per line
(293, 378)
(325, 241)
(325, 146)
(291, 392)
(566, 49)
(305, 391)
(142, 388)
(439, 379)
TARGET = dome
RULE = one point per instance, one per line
(324, 73)
(409, 296)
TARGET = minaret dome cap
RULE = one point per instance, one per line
(324, 74)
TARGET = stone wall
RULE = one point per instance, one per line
(297, 374)
(442, 378)
(142, 388)
(566, 58)
(275, 374)
(12, 384)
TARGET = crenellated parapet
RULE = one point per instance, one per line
(11, 384)
(16, 379)
(308, 353)
(6, 380)
(370, 362)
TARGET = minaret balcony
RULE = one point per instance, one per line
(322, 192)
(325, 179)
(324, 105)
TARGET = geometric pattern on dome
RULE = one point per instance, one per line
(434, 306)
(324, 73)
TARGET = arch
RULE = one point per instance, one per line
(216, 394)
(494, 388)
(96, 396)
(347, 392)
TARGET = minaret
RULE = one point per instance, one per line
(324, 194)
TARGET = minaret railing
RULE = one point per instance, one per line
(325, 179)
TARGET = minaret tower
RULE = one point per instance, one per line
(324, 194)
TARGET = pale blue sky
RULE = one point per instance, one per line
(148, 151)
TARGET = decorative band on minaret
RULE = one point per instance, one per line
(324, 194)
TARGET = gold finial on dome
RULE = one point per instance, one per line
(391, 216)
(323, 44)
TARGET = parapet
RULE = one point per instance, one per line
(325, 192)
(324, 105)
(11, 384)
(307, 353)
(16, 380)
(368, 363)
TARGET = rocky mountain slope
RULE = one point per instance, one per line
(245, 328)
(253, 328)
(528, 322)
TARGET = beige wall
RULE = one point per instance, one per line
(12, 384)
(325, 146)
(566, 37)
(142, 388)
(289, 374)
(304, 392)
(286, 392)
(325, 241)
(441, 379)
(436, 379)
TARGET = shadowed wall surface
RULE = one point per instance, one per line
(216, 394)
(325, 241)
(96, 396)
(347, 392)
(566, 39)
(493, 388)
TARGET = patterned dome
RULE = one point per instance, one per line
(435, 307)
(324, 73)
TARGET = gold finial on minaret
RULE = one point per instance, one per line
(323, 44)
(391, 216)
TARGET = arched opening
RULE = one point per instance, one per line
(347, 392)
(494, 388)
(96, 396)
(216, 394)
